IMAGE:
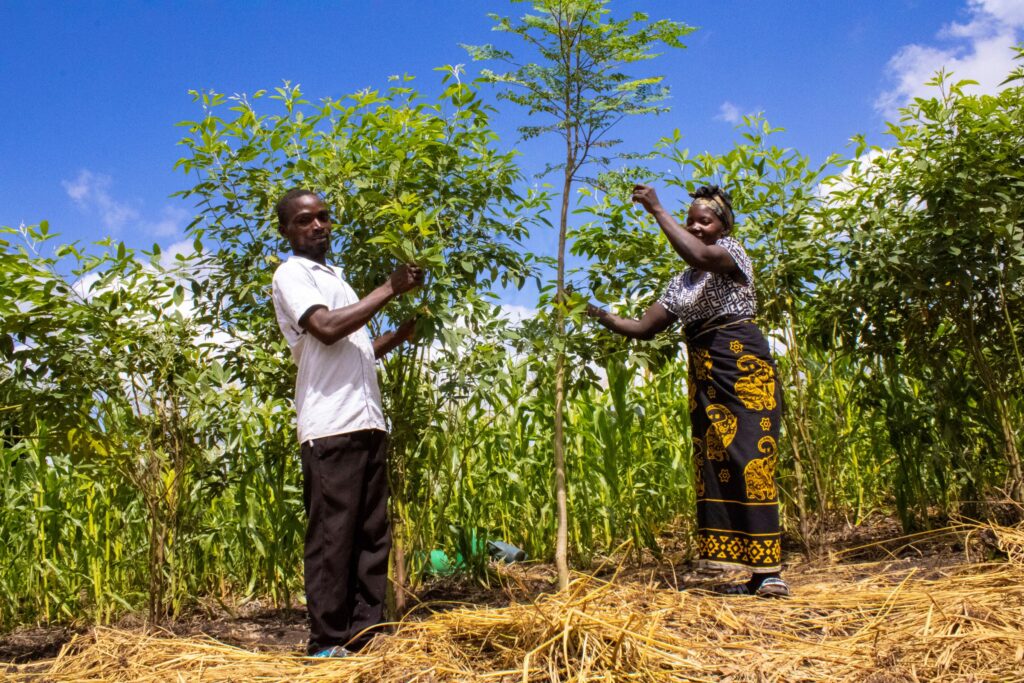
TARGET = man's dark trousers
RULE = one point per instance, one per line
(348, 538)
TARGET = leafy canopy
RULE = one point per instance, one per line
(578, 83)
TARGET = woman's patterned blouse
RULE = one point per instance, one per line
(695, 295)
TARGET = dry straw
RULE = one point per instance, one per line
(878, 621)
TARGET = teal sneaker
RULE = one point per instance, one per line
(334, 651)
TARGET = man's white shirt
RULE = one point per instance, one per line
(336, 390)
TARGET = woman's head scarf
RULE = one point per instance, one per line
(716, 199)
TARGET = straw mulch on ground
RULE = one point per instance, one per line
(877, 622)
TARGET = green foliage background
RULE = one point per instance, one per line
(148, 457)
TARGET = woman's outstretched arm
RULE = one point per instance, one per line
(655, 319)
(706, 257)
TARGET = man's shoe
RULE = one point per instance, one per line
(334, 651)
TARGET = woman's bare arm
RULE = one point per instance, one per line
(654, 320)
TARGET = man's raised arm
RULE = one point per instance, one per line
(329, 326)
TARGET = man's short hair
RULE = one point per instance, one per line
(282, 204)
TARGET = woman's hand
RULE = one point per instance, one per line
(645, 196)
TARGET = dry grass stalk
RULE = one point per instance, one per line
(879, 621)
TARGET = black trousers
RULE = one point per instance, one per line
(348, 537)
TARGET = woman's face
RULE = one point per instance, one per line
(704, 224)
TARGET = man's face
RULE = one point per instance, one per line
(308, 229)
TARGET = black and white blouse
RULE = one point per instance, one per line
(696, 295)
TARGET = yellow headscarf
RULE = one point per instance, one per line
(718, 205)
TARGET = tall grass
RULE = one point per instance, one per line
(74, 538)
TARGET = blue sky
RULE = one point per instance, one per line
(93, 89)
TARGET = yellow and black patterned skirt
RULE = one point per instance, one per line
(735, 411)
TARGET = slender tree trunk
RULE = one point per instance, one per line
(1009, 435)
(562, 535)
(156, 567)
(799, 421)
(149, 482)
(801, 483)
(399, 446)
(1015, 472)
(1015, 483)
(398, 546)
(793, 432)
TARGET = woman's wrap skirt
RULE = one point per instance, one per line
(735, 411)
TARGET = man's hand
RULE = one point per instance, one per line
(407, 329)
(645, 196)
(406, 277)
(330, 326)
(383, 344)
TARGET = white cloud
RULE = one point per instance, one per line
(864, 164)
(172, 220)
(91, 192)
(1005, 11)
(83, 286)
(169, 255)
(729, 113)
(515, 313)
(979, 50)
(79, 188)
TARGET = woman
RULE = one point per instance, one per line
(735, 398)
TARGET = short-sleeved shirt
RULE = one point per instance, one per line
(696, 295)
(336, 390)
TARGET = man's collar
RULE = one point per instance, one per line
(313, 264)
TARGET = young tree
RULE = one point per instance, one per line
(577, 90)
(113, 374)
(406, 179)
(931, 240)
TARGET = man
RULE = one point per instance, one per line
(340, 424)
